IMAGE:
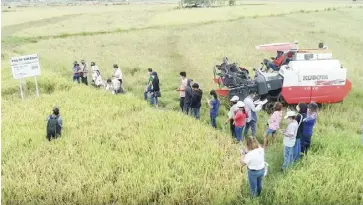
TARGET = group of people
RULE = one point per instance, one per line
(296, 140)
(114, 84)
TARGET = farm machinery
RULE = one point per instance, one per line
(293, 76)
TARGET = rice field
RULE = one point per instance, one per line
(118, 150)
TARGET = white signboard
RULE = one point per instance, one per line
(25, 66)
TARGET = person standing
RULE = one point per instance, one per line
(155, 91)
(149, 84)
(240, 120)
(289, 139)
(188, 96)
(252, 115)
(76, 72)
(308, 124)
(273, 124)
(214, 105)
(302, 109)
(254, 158)
(232, 111)
(118, 75)
(196, 101)
(181, 89)
(84, 72)
(96, 75)
(54, 124)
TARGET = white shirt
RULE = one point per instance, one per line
(250, 107)
(290, 134)
(255, 159)
(118, 73)
(232, 111)
(113, 86)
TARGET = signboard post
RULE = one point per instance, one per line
(24, 67)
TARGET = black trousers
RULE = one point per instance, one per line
(84, 80)
(181, 103)
(232, 127)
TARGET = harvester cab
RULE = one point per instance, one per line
(304, 75)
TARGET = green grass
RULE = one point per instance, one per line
(118, 150)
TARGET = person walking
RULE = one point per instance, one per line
(273, 124)
(240, 120)
(118, 75)
(149, 84)
(196, 101)
(214, 105)
(76, 72)
(254, 158)
(181, 89)
(155, 90)
(308, 126)
(96, 75)
(252, 115)
(289, 139)
(54, 125)
(188, 96)
(232, 111)
(84, 72)
(302, 109)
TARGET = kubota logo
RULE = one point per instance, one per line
(315, 77)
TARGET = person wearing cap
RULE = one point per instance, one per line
(118, 75)
(181, 89)
(240, 120)
(54, 124)
(155, 90)
(308, 126)
(149, 83)
(76, 72)
(188, 96)
(196, 102)
(289, 139)
(84, 72)
(252, 115)
(233, 102)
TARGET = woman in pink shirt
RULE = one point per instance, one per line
(273, 123)
(240, 120)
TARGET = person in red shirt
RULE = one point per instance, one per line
(240, 120)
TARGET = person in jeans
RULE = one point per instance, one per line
(240, 120)
(308, 123)
(252, 115)
(273, 124)
(214, 108)
(233, 102)
(149, 83)
(302, 109)
(254, 158)
(155, 90)
(181, 89)
(289, 139)
(76, 72)
(188, 96)
(196, 101)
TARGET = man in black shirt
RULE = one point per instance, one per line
(196, 101)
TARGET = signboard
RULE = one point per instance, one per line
(25, 66)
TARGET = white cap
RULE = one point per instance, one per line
(290, 114)
(234, 98)
(240, 104)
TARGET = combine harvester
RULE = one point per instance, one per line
(299, 75)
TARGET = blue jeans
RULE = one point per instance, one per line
(154, 100)
(239, 135)
(288, 156)
(76, 78)
(255, 178)
(252, 125)
(213, 120)
(146, 92)
(196, 112)
(297, 149)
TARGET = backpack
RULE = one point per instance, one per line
(52, 126)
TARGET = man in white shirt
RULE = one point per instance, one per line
(117, 74)
(113, 85)
(289, 139)
(252, 115)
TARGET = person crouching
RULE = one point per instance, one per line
(113, 86)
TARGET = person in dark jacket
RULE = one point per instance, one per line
(76, 71)
(302, 108)
(309, 123)
(54, 124)
(196, 101)
(188, 96)
(155, 90)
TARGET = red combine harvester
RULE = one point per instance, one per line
(298, 75)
